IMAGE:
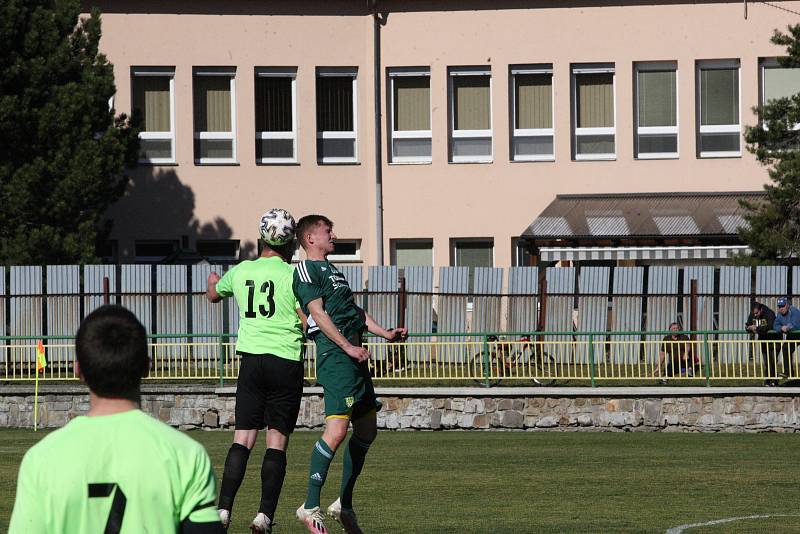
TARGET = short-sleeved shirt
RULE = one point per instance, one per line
(268, 321)
(675, 348)
(127, 466)
(321, 279)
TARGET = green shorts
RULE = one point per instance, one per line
(347, 385)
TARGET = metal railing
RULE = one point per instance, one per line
(515, 358)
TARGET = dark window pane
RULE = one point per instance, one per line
(663, 143)
(334, 103)
(218, 249)
(345, 248)
(273, 104)
(274, 148)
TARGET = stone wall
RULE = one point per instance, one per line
(534, 409)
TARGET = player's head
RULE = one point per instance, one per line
(315, 230)
(674, 326)
(757, 308)
(783, 305)
(111, 346)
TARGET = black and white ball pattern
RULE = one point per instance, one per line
(277, 226)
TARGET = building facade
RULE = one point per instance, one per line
(486, 111)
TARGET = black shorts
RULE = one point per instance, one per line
(268, 392)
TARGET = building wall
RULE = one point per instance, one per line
(440, 200)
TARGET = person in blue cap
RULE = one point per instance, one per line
(787, 322)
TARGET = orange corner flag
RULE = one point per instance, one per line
(41, 361)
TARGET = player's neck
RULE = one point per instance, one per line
(109, 406)
(316, 254)
(269, 253)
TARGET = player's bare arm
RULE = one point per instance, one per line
(393, 334)
(211, 290)
(325, 323)
(303, 319)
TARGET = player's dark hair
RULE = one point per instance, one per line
(308, 223)
(111, 346)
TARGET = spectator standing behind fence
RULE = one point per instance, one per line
(787, 322)
(675, 351)
(761, 323)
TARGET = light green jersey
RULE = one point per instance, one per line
(126, 469)
(268, 321)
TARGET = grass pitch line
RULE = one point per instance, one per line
(681, 528)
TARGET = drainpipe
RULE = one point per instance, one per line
(376, 54)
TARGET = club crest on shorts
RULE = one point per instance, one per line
(348, 401)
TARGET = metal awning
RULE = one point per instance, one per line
(641, 253)
(641, 219)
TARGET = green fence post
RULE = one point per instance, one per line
(707, 358)
(486, 358)
(591, 359)
(221, 362)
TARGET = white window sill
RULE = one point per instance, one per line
(717, 155)
(277, 161)
(411, 162)
(533, 159)
(596, 157)
(658, 155)
(471, 161)
(215, 161)
(156, 162)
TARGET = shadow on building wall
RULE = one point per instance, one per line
(159, 207)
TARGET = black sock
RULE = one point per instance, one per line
(235, 466)
(273, 470)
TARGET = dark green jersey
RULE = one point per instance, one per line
(322, 280)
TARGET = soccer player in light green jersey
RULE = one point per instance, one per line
(336, 324)
(115, 470)
(270, 384)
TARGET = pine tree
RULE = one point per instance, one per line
(774, 232)
(62, 150)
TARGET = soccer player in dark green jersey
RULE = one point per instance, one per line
(336, 324)
(270, 384)
(116, 469)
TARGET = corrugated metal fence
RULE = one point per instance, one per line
(169, 299)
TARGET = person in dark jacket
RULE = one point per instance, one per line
(761, 323)
(787, 322)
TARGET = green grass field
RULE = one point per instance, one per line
(493, 482)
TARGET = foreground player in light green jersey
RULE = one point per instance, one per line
(115, 470)
(270, 383)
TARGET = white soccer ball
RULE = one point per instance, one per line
(277, 227)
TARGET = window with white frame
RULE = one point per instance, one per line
(593, 112)
(656, 110)
(720, 130)
(346, 250)
(337, 115)
(276, 115)
(214, 115)
(410, 95)
(470, 114)
(532, 113)
(412, 252)
(778, 82)
(153, 96)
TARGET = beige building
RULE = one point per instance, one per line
(487, 111)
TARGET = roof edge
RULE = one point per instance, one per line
(595, 196)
